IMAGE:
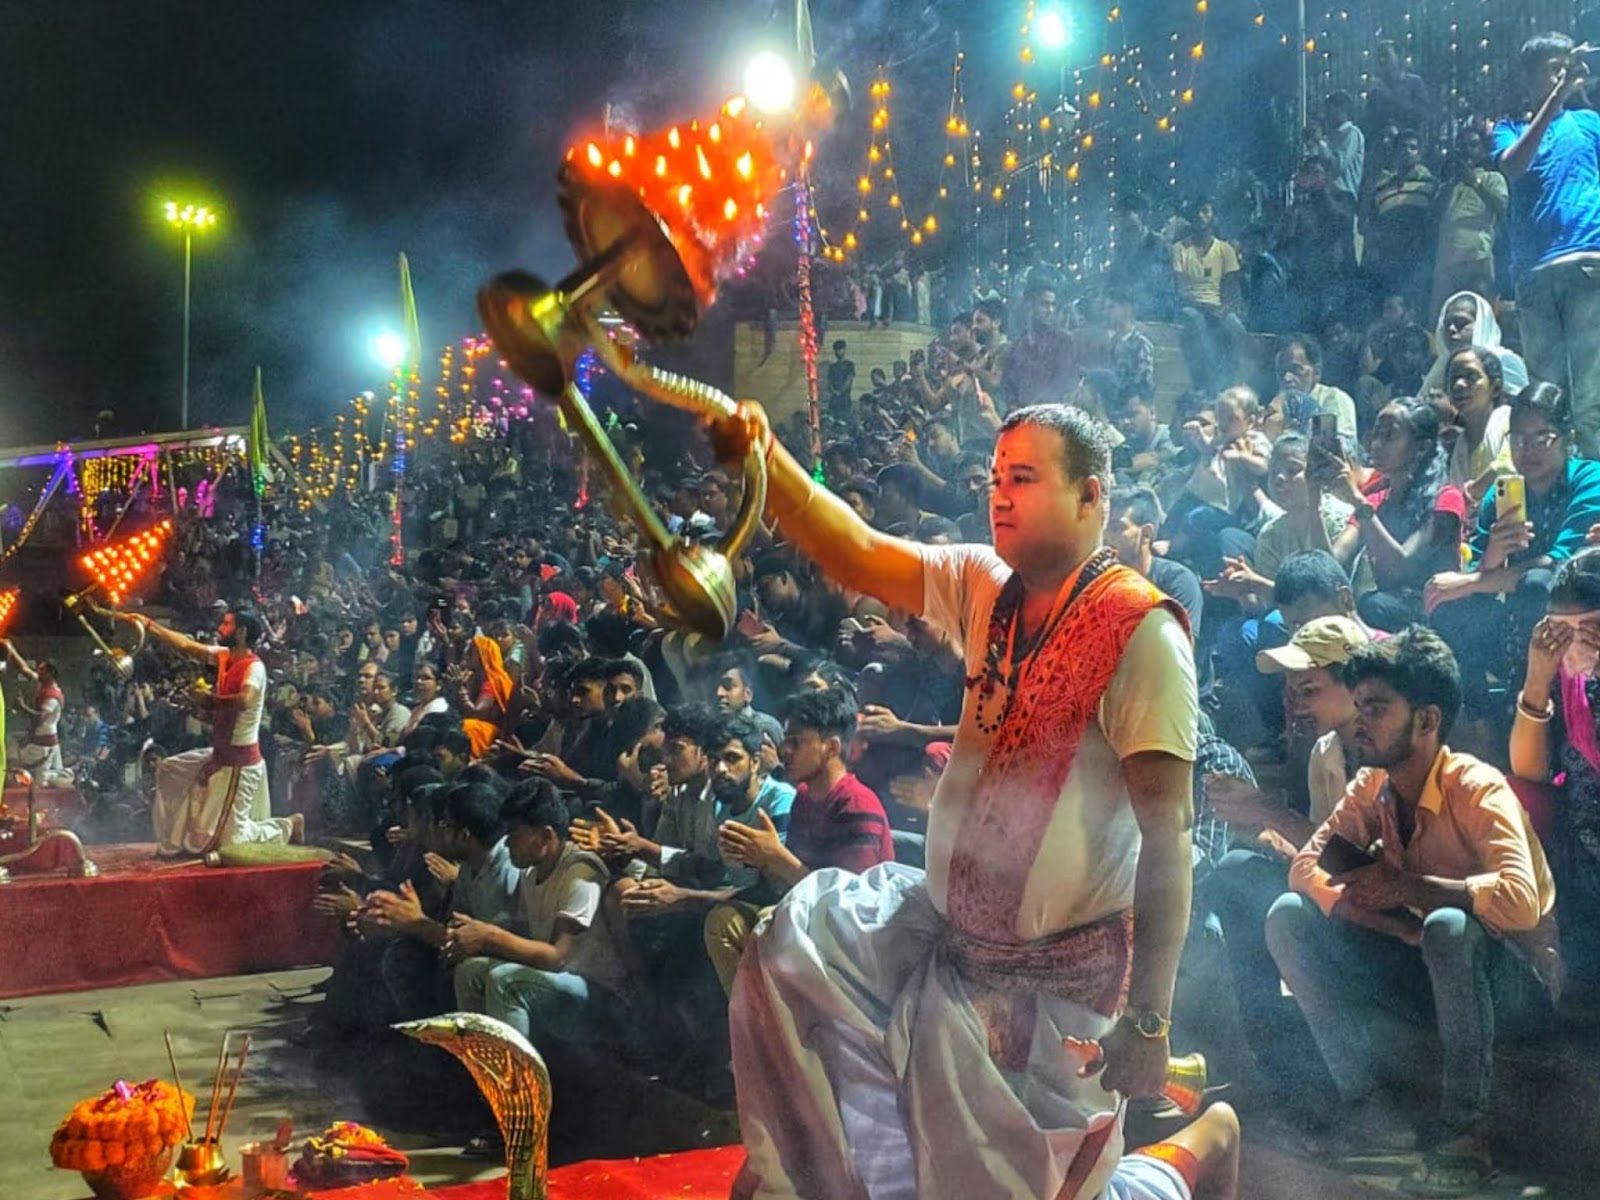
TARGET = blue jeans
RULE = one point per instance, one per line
(1490, 636)
(540, 1005)
(1239, 893)
(1558, 308)
(1365, 995)
(1211, 340)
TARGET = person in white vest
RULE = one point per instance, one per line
(215, 797)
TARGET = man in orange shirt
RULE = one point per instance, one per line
(1452, 923)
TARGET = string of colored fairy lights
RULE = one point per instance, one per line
(61, 474)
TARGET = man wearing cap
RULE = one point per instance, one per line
(1423, 901)
(1244, 885)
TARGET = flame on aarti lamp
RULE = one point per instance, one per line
(709, 183)
(118, 566)
(8, 607)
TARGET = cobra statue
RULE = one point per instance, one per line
(512, 1078)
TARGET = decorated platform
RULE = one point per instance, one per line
(694, 1175)
(142, 920)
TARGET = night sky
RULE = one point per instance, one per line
(333, 135)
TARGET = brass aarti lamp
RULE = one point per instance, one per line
(656, 220)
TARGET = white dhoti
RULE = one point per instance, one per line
(194, 814)
(42, 760)
(864, 1070)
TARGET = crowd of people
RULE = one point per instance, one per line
(581, 817)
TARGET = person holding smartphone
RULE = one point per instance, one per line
(1550, 155)
(1528, 524)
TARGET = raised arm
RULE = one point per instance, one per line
(23, 665)
(1515, 158)
(822, 526)
(182, 643)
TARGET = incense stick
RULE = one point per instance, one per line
(233, 1090)
(172, 1060)
(216, 1083)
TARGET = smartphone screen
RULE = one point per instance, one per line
(1325, 432)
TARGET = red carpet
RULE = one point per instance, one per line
(694, 1175)
(145, 921)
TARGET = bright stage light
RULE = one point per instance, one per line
(1052, 30)
(769, 82)
(389, 348)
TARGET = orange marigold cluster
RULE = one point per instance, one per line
(127, 1124)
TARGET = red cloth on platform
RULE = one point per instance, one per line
(694, 1175)
(145, 921)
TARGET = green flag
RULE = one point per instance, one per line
(260, 467)
(408, 315)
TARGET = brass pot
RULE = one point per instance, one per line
(201, 1165)
(130, 1181)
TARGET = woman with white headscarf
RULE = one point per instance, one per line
(1467, 319)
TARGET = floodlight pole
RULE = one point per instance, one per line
(188, 259)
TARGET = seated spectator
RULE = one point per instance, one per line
(469, 833)
(736, 693)
(1300, 369)
(1097, 394)
(357, 1002)
(681, 841)
(1133, 517)
(1467, 319)
(834, 822)
(1409, 527)
(1554, 740)
(899, 506)
(1298, 529)
(912, 790)
(1220, 506)
(1207, 272)
(1316, 240)
(861, 495)
(1142, 262)
(1400, 373)
(1488, 611)
(560, 979)
(1263, 283)
(483, 692)
(1434, 908)
(1147, 449)
(1482, 448)
(1244, 884)
(1133, 356)
(1042, 364)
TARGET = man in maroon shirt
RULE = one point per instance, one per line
(836, 821)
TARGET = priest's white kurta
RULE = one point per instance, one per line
(863, 1063)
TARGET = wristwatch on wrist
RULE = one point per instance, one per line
(1148, 1024)
(1364, 513)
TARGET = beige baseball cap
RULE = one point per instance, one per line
(1325, 642)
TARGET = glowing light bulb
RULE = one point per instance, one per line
(769, 82)
(1052, 30)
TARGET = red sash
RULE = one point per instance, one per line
(1055, 698)
(232, 672)
(49, 691)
